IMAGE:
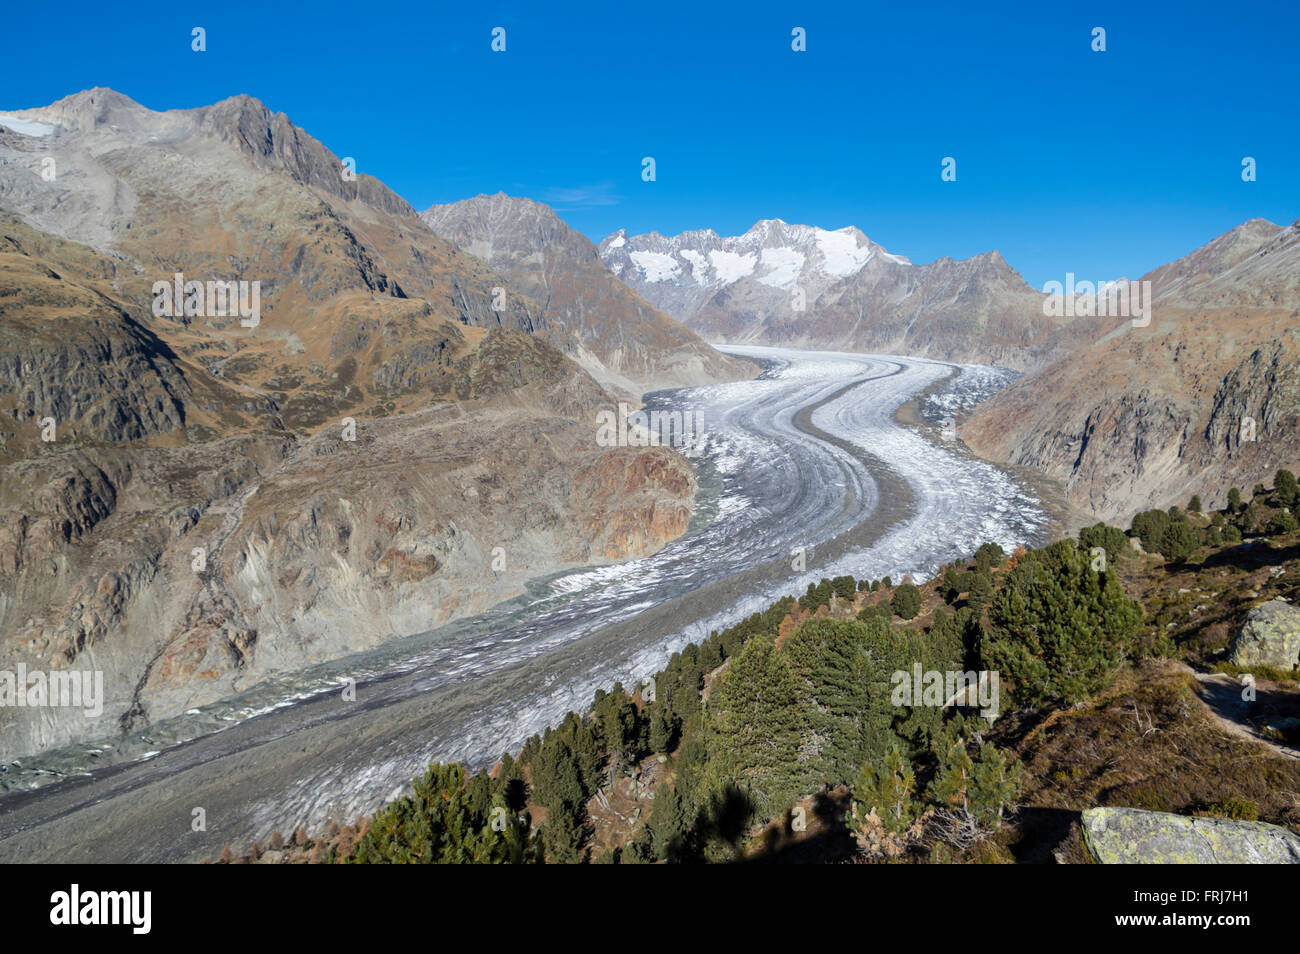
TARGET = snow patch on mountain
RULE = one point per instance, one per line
(656, 266)
(731, 266)
(785, 264)
(25, 126)
(699, 265)
(841, 253)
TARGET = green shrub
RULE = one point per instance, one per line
(977, 792)
(1178, 542)
(877, 611)
(439, 824)
(1283, 521)
(1288, 491)
(906, 601)
(889, 788)
(1234, 808)
(988, 556)
(1110, 539)
(1059, 628)
(1149, 527)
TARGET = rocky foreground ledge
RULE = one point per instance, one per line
(1128, 836)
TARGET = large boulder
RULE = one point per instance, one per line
(1132, 836)
(1269, 637)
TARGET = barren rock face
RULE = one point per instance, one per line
(189, 504)
(1204, 398)
(619, 337)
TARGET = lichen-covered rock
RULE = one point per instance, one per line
(1131, 836)
(1269, 637)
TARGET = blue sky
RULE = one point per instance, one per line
(1067, 160)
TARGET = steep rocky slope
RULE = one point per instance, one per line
(591, 316)
(190, 504)
(1206, 396)
(795, 284)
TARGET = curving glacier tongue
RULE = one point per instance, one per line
(805, 460)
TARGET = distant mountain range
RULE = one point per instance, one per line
(809, 287)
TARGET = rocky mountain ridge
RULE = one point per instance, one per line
(601, 322)
(191, 503)
(1206, 396)
(784, 284)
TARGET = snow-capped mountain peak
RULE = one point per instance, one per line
(681, 271)
(784, 283)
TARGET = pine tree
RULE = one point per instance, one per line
(1249, 517)
(889, 788)
(664, 728)
(950, 788)
(1283, 521)
(623, 733)
(557, 779)
(667, 824)
(1110, 539)
(828, 657)
(950, 585)
(995, 785)
(1288, 491)
(906, 601)
(1178, 542)
(979, 587)
(971, 795)
(1149, 527)
(988, 556)
(757, 718)
(1059, 628)
(437, 824)
(562, 836)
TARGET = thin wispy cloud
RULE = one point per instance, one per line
(581, 197)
